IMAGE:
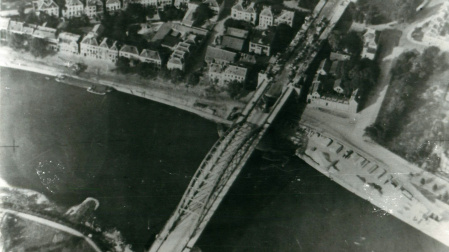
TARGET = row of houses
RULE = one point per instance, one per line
(91, 45)
(265, 19)
(222, 60)
(76, 8)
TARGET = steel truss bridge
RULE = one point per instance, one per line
(216, 174)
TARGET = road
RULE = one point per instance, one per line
(54, 225)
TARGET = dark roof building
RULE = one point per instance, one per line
(217, 55)
(238, 33)
(233, 43)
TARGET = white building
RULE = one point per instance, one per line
(369, 44)
(109, 50)
(178, 57)
(286, 17)
(222, 75)
(93, 8)
(89, 47)
(266, 18)
(150, 56)
(74, 8)
(246, 14)
(177, 61)
(155, 3)
(260, 42)
(112, 5)
(47, 6)
(69, 43)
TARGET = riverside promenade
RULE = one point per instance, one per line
(160, 92)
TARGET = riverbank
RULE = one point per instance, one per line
(212, 110)
(396, 194)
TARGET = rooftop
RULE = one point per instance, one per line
(107, 43)
(147, 53)
(266, 11)
(67, 37)
(45, 32)
(89, 40)
(4, 23)
(15, 26)
(73, 2)
(220, 54)
(239, 33)
(232, 43)
(236, 70)
(129, 49)
(263, 37)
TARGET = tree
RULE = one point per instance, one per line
(145, 69)
(176, 75)
(52, 21)
(123, 65)
(39, 47)
(16, 41)
(21, 11)
(235, 88)
(193, 79)
(171, 13)
(201, 14)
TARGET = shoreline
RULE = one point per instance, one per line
(372, 181)
(146, 93)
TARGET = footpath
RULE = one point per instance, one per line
(215, 109)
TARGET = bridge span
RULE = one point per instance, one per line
(217, 173)
(225, 160)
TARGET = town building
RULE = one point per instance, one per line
(93, 8)
(130, 52)
(247, 58)
(150, 56)
(28, 30)
(74, 8)
(238, 33)
(89, 47)
(222, 75)
(49, 35)
(179, 56)
(155, 3)
(267, 18)
(232, 43)
(247, 14)
(285, 17)
(261, 41)
(177, 60)
(328, 89)
(47, 6)
(112, 6)
(4, 26)
(219, 56)
(108, 50)
(69, 43)
(369, 44)
(15, 27)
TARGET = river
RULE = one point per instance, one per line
(136, 157)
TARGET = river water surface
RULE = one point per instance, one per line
(136, 157)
